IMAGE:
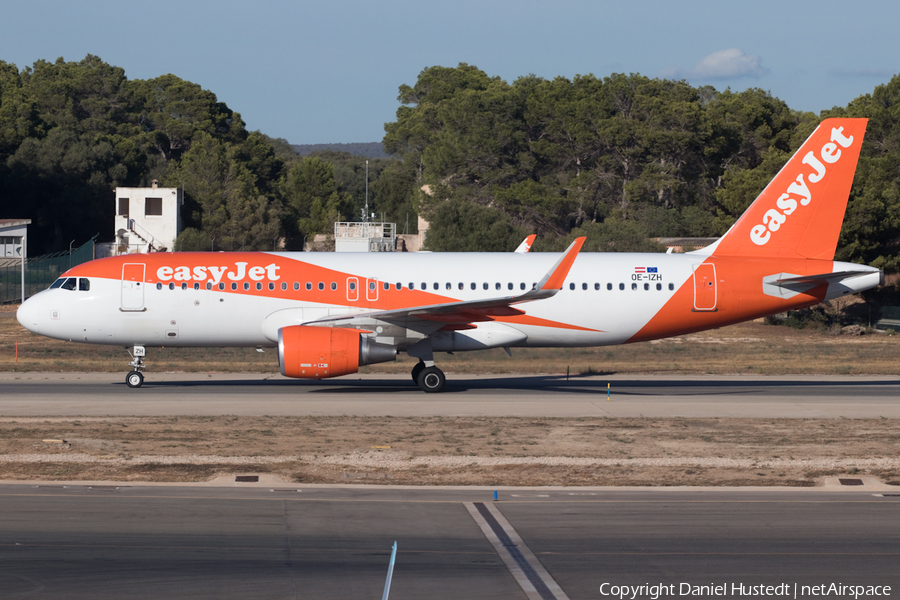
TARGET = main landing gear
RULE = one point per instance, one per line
(135, 379)
(429, 379)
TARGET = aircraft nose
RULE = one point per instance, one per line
(29, 314)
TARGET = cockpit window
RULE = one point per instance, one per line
(57, 283)
(69, 284)
(84, 284)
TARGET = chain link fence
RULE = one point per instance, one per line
(40, 272)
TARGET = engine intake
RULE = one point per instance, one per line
(319, 352)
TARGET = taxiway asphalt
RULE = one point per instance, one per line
(101, 394)
(142, 541)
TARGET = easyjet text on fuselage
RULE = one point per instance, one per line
(215, 274)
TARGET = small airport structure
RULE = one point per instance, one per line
(147, 219)
(14, 239)
(365, 237)
(14, 247)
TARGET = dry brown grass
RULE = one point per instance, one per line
(313, 443)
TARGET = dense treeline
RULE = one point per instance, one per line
(621, 159)
(71, 132)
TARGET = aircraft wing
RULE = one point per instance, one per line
(475, 310)
(526, 244)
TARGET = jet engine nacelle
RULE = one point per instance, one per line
(319, 352)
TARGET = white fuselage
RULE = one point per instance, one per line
(606, 298)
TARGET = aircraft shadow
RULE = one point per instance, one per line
(540, 383)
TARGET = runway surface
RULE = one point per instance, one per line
(99, 394)
(145, 542)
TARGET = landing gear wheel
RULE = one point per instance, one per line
(416, 371)
(135, 379)
(431, 379)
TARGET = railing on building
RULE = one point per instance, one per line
(382, 237)
(40, 272)
(127, 244)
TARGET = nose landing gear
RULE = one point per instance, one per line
(135, 379)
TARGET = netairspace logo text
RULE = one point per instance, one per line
(737, 590)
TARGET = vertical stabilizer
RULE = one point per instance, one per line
(800, 213)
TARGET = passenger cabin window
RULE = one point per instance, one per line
(333, 286)
(246, 286)
(608, 286)
(321, 286)
(153, 207)
(621, 286)
(571, 286)
(671, 286)
(308, 285)
(597, 286)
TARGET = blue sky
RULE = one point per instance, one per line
(327, 72)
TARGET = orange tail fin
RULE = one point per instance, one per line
(799, 214)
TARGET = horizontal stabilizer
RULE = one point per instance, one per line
(820, 279)
(788, 285)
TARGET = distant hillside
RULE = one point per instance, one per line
(368, 150)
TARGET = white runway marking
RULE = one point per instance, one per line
(527, 570)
